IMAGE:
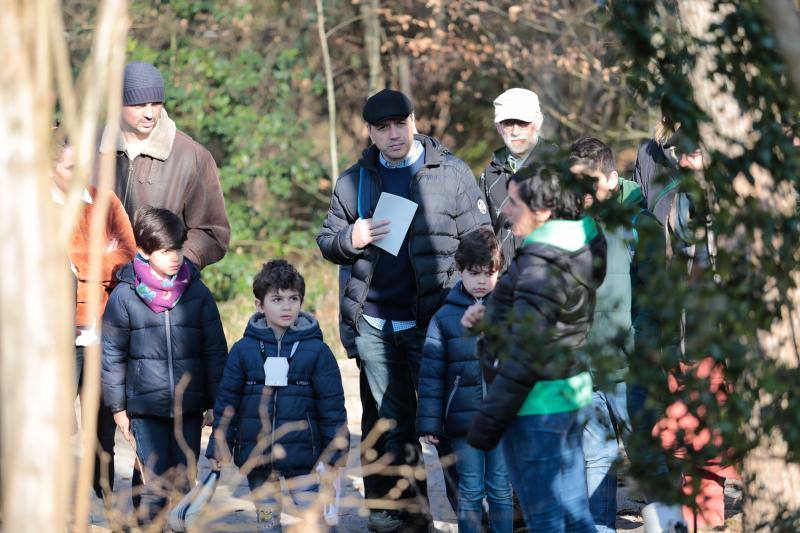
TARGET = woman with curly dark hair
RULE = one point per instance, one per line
(536, 324)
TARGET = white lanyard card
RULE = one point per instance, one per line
(276, 369)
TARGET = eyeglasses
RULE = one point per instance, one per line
(509, 124)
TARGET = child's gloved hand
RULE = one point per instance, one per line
(431, 439)
(208, 418)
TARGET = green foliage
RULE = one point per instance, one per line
(243, 106)
(726, 308)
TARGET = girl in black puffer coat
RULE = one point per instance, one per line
(163, 355)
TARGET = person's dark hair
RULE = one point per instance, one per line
(158, 229)
(592, 153)
(277, 275)
(539, 186)
(479, 249)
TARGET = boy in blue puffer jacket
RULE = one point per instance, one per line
(163, 355)
(451, 387)
(282, 393)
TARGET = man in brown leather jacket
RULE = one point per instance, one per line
(159, 165)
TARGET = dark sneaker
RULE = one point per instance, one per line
(383, 522)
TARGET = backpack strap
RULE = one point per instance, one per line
(635, 221)
(665, 191)
(361, 174)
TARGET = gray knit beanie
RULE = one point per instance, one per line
(143, 84)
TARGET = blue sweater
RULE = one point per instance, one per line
(393, 288)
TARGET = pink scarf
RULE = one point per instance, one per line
(159, 293)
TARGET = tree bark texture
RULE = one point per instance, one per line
(785, 19)
(36, 361)
(326, 60)
(772, 483)
(372, 44)
(404, 75)
(37, 292)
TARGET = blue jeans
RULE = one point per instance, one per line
(482, 474)
(607, 422)
(613, 416)
(165, 462)
(390, 363)
(545, 463)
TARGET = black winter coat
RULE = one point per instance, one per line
(450, 206)
(542, 309)
(311, 407)
(146, 354)
(450, 383)
(494, 186)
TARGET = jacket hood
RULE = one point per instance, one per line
(305, 328)
(435, 152)
(575, 246)
(126, 275)
(459, 296)
(159, 144)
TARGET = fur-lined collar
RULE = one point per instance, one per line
(159, 144)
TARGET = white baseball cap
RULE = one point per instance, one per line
(518, 104)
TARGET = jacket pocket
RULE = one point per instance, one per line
(451, 396)
(137, 376)
(314, 447)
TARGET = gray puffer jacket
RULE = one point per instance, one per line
(450, 206)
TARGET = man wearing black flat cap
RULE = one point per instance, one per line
(388, 300)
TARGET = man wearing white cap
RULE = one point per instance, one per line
(518, 119)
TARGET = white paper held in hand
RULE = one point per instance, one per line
(400, 212)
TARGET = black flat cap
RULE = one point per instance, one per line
(387, 104)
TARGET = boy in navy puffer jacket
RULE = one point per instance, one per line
(163, 355)
(451, 387)
(282, 393)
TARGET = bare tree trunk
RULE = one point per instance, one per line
(772, 483)
(37, 372)
(326, 59)
(36, 363)
(372, 44)
(785, 21)
(404, 75)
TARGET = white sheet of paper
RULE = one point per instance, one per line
(400, 212)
